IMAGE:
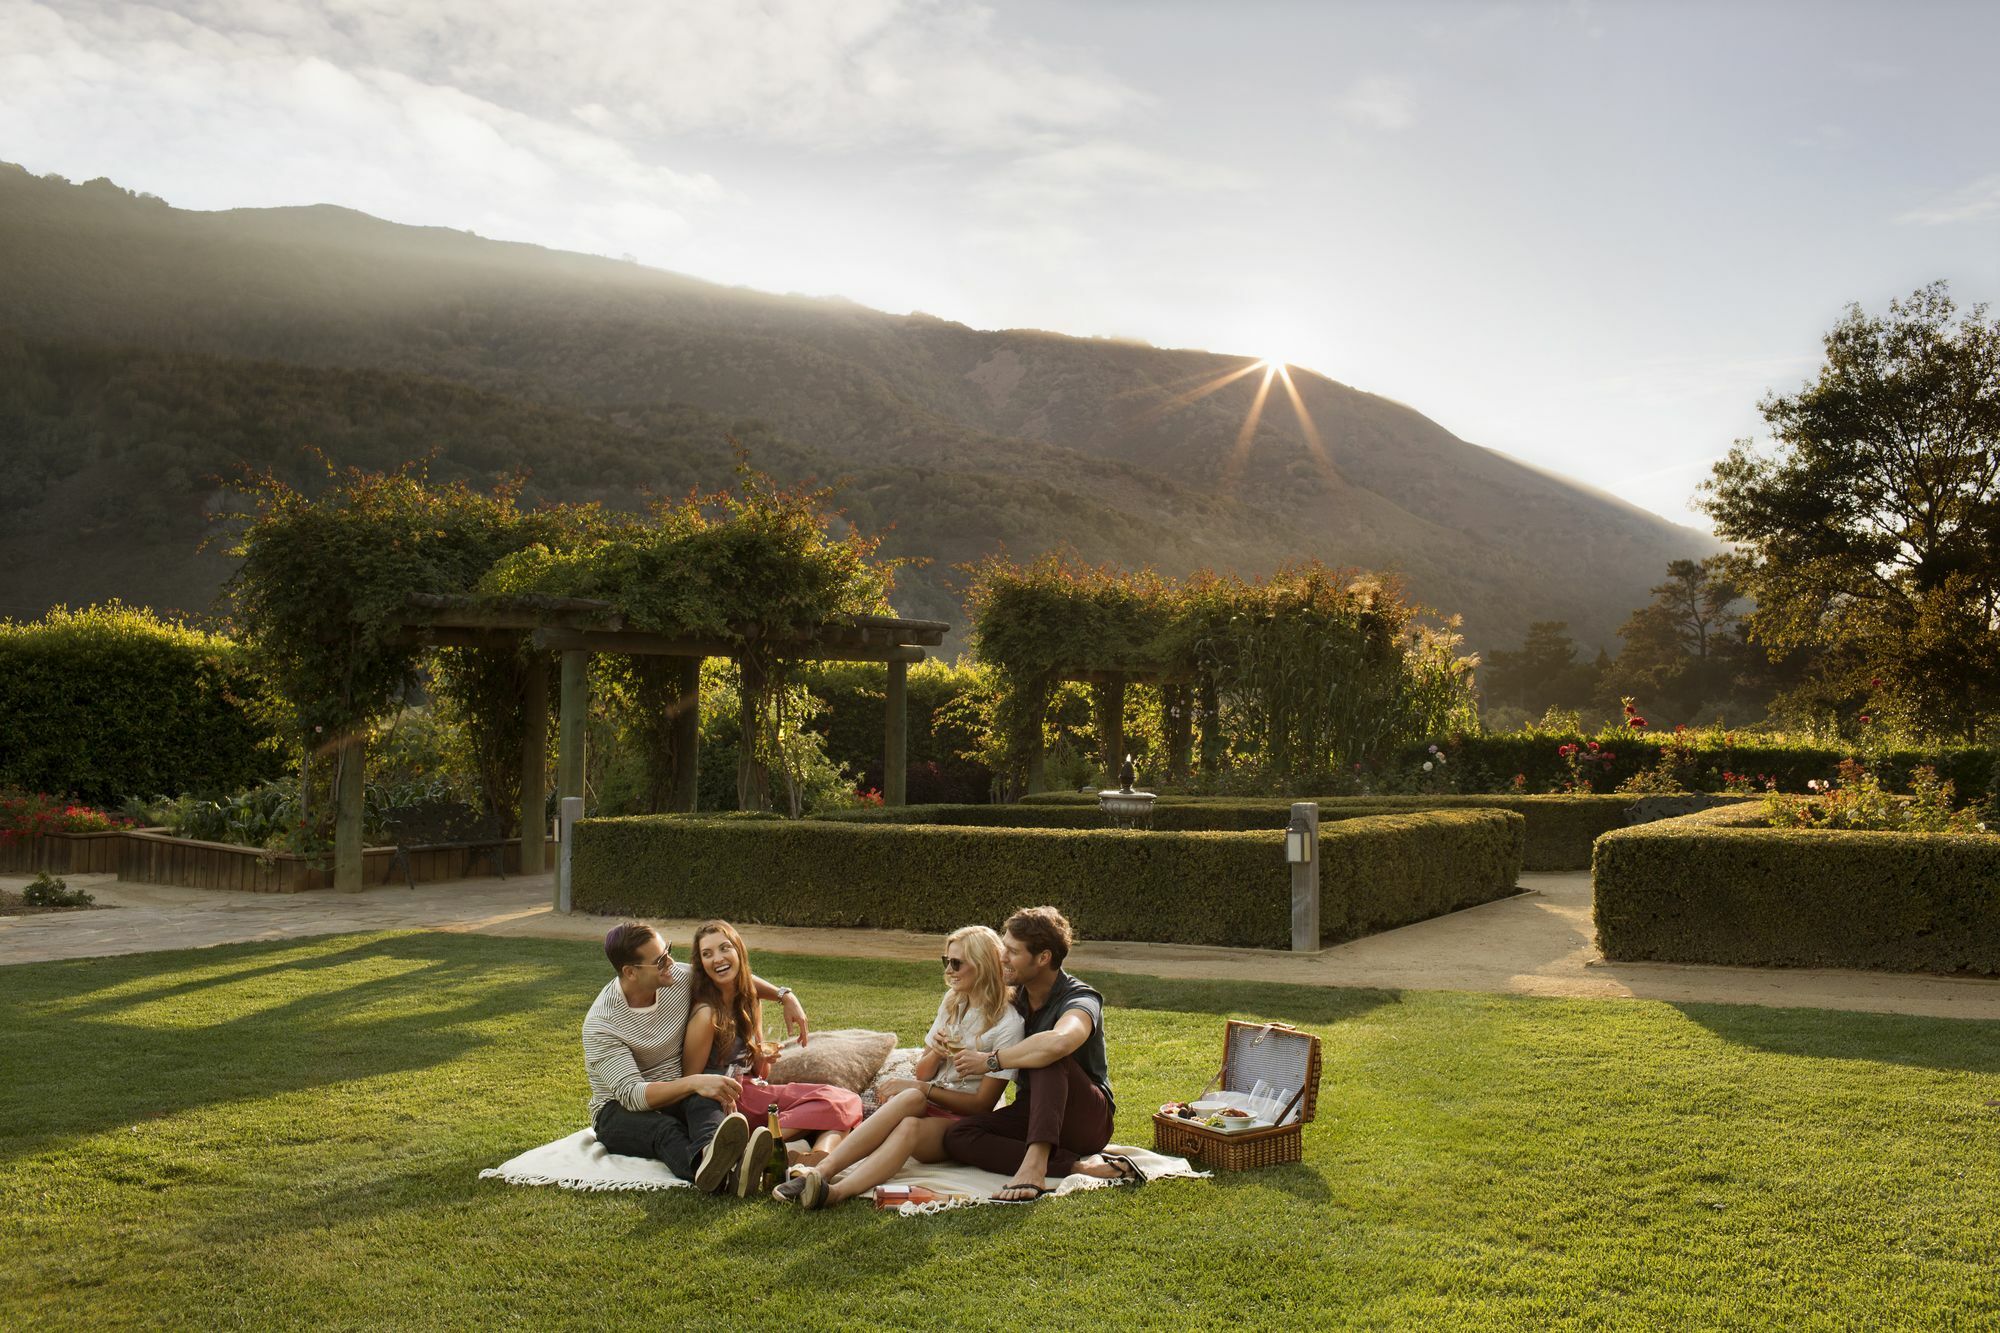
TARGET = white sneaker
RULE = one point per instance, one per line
(756, 1156)
(722, 1154)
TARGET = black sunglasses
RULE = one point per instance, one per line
(952, 964)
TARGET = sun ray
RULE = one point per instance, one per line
(1201, 391)
(1232, 470)
(1314, 444)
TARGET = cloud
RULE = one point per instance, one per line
(1975, 202)
(929, 72)
(567, 124)
(1380, 101)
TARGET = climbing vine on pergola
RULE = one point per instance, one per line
(1307, 672)
(342, 593)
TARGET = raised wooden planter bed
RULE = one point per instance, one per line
(67, 853)
(152, 857)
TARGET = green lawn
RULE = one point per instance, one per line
(291, 1133)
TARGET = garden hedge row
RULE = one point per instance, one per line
(1230, 888)
(1720, 887)
(1490, 763)
(112, 702)
(1561, 829)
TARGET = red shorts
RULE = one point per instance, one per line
(932, 1111)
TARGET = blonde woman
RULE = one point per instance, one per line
(976, 1013)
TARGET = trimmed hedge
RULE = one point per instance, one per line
(1229, 888)
(113, 701)
(1489, 763)
(1561, 829)
(1721, 887)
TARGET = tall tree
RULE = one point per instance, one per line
(1684, 655)
(1543, 673)
(1872, 528)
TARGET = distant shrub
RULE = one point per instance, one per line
(45, 890)
(113, 700)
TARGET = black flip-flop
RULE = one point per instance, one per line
(1039, 1191)
(1128, 1169)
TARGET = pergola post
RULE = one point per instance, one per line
(575, 712)
(1175, 701)
(1212, 740)
(753, 782)
(1110, 699)
(896, 735)
(348, 800)
(534, 764)
(687, 738)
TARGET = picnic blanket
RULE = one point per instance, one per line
(578, 1162)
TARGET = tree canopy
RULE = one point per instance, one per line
(1871, 526)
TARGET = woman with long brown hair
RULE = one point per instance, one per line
(725, 1035)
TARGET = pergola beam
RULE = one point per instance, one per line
(639, 644)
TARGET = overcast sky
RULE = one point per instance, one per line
(1589, 235)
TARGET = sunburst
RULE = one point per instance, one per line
(1275, 368)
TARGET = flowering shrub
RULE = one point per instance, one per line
(1856, 799)
(45, 890)
(25, 815)
(1586, 765)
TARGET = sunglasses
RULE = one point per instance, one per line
(952, 964)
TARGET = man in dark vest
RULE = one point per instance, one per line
(1060, 1118)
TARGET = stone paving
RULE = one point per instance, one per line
(1537, 943)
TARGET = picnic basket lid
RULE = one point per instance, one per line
(1276, 1053)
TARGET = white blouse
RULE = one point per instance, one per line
(966, 1033)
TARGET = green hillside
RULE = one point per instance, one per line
(153, 348)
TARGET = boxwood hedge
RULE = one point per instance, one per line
(1719, 887)
(1229, 888)
(1561, 829)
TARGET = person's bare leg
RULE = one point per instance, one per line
(878, 1166)
(874, 1131)
(828, 1141)
(1027, 1181)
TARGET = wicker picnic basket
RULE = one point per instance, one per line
(1275, 1053)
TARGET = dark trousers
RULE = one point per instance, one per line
(673, 1134)
(1057, 1104)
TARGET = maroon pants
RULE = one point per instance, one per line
(1057, 1104)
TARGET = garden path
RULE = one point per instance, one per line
(1539, 942)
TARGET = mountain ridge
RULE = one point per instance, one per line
(920, 412)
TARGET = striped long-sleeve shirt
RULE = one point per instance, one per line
(624, 1048)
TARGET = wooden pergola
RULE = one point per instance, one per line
(1181, 692)
(575, 628)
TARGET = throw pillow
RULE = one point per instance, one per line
(844, 1057)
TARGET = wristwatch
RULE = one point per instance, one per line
(783, 991)
(993, 1062)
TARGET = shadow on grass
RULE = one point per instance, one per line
(114, 1072)
(1963, 1045)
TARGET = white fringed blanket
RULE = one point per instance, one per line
(578, 1162)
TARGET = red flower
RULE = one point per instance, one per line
(1593, 745)
(1635, 722)
(1608, 756)
(1874, 682)
(1865, 719)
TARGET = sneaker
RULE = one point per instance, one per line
(722, 1154)
(808, 1190)
(756, 1158)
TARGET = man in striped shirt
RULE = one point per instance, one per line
(641, 1103)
